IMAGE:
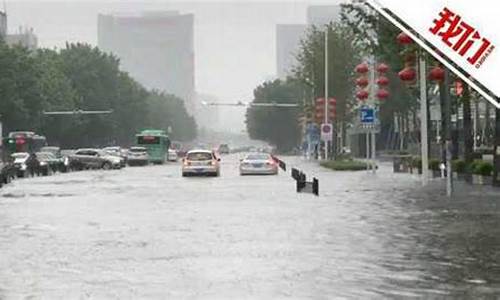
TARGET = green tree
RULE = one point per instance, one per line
(343, 56)
(276, 125)
(166, 111)
(19, 92)
(82, 77)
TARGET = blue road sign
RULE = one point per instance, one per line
(367, 115)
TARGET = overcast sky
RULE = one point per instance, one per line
(234, 40)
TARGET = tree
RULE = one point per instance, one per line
(165, 110)
(343, 56)
(19, 92)
(276, 125)
(82, 77)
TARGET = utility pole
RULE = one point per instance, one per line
(447, 131)
(326, 88)
(372, 97)
(423, 119)
(496, 149)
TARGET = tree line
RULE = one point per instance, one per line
(82, 77)
(361, 34)
(305, 84)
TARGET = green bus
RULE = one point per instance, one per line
(157, 144)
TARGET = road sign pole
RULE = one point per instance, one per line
(368, 151)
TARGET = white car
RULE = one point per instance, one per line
(172, 155)
(200, 162)
(258, 164)
(137, 156)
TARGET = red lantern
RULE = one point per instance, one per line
(382, 81)
(436, 74)
(362, 81)
(407, 74)
(362, 95)
(404, 39)
(361, 68)
(382, 94)
(382, 68)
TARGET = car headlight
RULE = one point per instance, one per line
(43, 163)
(23, 167)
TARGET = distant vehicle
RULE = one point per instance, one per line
(172, 155)
(49, 163)
(93, 159)
(179, 149)
(258, 164)
(223, 149)
(156, 142)
(7, 172)
(137, 156)
(62, 157)
(26, 164)
(200, 162)
(24, 141)
(118, 152)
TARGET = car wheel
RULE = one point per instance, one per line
(106, 166)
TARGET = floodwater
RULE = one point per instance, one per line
(147, 232)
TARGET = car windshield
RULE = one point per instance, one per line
(257, 156)
(137, 150)
(194, 156)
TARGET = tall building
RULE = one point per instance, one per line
(3, 24)
(25, 38)
(288, 37)
(155, 48)
(320, 15)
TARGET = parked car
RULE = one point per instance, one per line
(118, 152)
(93, 159)
(258, 164)
(62, 157)
(49, 163)
(26, 164)
(137, 156)
(7, 172)
(200, 162)
(172, 155)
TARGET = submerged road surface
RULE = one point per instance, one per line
(146, 232)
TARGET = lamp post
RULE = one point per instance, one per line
(325, 120)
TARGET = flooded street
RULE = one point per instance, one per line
(150, 233)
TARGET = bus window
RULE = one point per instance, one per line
(148, 140)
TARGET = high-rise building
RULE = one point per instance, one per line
(320, 15)
(3, 24)
(25, 38)
(155, 48)
(288, 37)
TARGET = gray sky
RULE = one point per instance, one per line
(234, 40)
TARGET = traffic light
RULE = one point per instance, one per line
(320, 110)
